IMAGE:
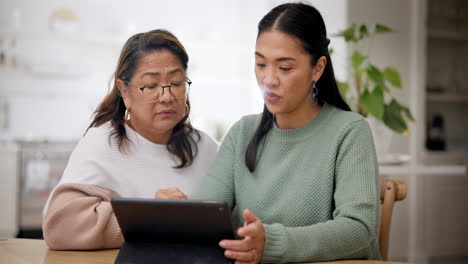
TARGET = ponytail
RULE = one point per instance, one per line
(266, 123)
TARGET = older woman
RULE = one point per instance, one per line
(140, 141)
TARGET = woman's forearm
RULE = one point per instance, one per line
(80, 217)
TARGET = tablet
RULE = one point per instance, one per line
(151, 220)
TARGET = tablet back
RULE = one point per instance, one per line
(150, 220)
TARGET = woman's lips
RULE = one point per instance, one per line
(166, 113)
(272, 97)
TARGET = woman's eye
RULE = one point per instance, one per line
(151, 86)
(261, 65)
(285, 69)
(177, 84)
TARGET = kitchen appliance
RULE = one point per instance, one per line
(41, 165)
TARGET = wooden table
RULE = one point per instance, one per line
(26, 251)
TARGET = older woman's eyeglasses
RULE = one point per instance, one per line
(178, 90)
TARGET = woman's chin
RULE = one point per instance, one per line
(165, 123)
(273, 108)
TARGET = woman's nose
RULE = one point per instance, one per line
(270, 78)
(166, 96)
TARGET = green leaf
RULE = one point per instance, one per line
(375, 74)
(343, 87)
(331, 51)
(393, 117)
(363, 32)
(392, 76)
(348, 34)
(357, 59)
(379, 28)
(373, 102)
(385, 88)
(407, 112)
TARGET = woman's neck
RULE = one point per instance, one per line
(297, 118)
(151, 135)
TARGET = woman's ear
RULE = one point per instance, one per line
(123, 92)
(319, 68)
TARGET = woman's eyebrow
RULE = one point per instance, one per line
(277, 59)
(159, 74)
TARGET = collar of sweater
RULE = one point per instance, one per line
(305, 131)
(137, 139)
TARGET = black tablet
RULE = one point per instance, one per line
(180, 220)
(178, 231)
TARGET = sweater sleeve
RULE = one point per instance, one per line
(352, 232)
(218, 183)
(80, 217)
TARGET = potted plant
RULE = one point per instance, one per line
(369, 89)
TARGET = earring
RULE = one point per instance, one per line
(186, 109)
(315, 93)
(127, 115)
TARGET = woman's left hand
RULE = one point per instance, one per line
(173, 193)
(250, 248)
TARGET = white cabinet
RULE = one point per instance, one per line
(8, 190)
(446, 88)
(429, 226)
(446, 211)
(430, 50)
(443, 198)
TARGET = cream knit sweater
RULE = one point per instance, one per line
(78, 214)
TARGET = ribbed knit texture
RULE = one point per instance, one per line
(80, 217)
(315, 187)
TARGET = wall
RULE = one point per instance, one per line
(61, 77)
(390, 49)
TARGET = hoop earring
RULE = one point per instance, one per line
(315, 93)
(186, 109)
(127, 115)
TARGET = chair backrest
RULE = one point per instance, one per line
(390, 192)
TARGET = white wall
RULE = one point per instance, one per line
(62, 77)
(335, 14)
(389, 49)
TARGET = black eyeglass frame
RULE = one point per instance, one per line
(189, 82)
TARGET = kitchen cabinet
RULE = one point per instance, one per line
(446, 213)
(41, 167)
(446, 89)
(429, 226)
(29, 170)
(8, 190)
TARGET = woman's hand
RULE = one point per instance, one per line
(250, 248)
(173, 193)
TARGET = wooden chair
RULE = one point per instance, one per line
(390, 192)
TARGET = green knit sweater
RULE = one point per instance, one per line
(315, 188)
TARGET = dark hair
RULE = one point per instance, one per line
(305, 23)
(112, 108)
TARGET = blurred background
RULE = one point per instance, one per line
(57, 58)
